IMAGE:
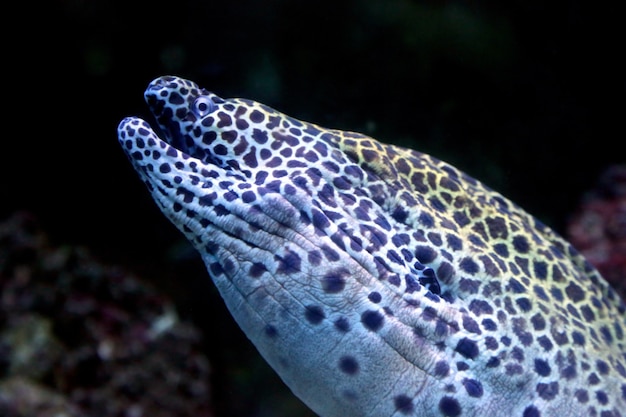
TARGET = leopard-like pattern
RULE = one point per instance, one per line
(377, 280)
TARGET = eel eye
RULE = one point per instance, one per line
(202, 106)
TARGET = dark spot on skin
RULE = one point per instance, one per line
(545, 343)
(497, 227)
(519, 328)
(469, 285)
(557, 274)
(220, 149)
(270, 331)
(241, 124)
(602, 397)
(248, 197)
(274, 121)
(461, 218)
(469, 266)
(348, 365)
(602, 367)
(334, 282)
(454, 242)
(220, 210)
(517, 354)
(479, 307)
(560, 338)
(578, 338)
(224, 120)
(418, 183)
(399, 215)
(314, 314)
(512, 369)
(256, 116)
(521, 244)
(548, 391)
(574, 292)
(448, 183)
(320, 221)
(432, 297)
(430, 282)
(489, 325)
(445, 272)
(425, 254)
(542, 367)
(187, 195)
(442, 368)
(470, 325)
(501, 249)
(541, 270)
(556, 293)
(473, 387)
(176, 98)
(437, 204)
(462, 366)
(606, 334)
(531, 411)
(288, 264)
(476, 240)
(372, 320)
(516, 286)
(374, 297)
(259, 136)
(493, 362)
(489, 266)
(468, 348)
(450, 407)
(619, 332)
(435, 238)
(216, 269)
(541, 293)
(491, 343)
(229, 136)
(426, 220)
(342, 324)
(400, 239)
(524, 304)
(403, 404)
(429, 314)
(582, 396)
(257, 269)
(330, 253)
(314, 257)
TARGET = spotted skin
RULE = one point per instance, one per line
(377, 280)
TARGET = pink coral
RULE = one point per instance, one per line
(598, 228)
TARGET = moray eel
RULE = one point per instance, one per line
(377, 280)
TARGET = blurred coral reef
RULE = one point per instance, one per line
(81, 338)
(598, 228)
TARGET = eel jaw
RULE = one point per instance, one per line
(144, 147)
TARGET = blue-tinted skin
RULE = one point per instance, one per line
(376, 280)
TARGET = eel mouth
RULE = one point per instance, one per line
(167, 130)
(149, 153)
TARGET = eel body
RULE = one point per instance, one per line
(377, 280)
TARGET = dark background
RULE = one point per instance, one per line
(527, 96)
